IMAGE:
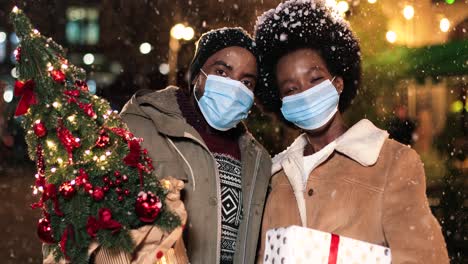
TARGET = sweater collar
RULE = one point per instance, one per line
(361, 143)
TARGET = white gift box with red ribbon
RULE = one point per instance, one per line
(295, 244)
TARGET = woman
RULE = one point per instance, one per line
(354, 182)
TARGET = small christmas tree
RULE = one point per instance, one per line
(93, 178)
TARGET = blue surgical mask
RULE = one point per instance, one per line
(225, 102)
(312, 108)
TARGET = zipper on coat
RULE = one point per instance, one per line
(218, 190)
(252, 187)
(185, 160)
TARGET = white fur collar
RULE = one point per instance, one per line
(362, 143)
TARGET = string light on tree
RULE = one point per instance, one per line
(372, 1)
(408, 12)
(391, 36)
(444, 24)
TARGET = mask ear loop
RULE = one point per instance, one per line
(334, 77)
(196, 84)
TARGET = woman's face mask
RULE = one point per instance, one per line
(312, 108)
(225, 102)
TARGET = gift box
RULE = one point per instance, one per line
(295, 244)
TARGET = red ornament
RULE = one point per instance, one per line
(88, 187)
(17, 54)
(106, 188)
(147, 207)
(118, 182)
(82, 85)
(98, 194)
(120, 198)
(67, 190)
(117, 174)
(118, 190)
(126, 192)
(39, 129)
(44, 231)
(103, 139)
(125, 178)
(106, 180)
(40, 161)
(58, 76)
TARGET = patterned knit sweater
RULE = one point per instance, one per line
(225, 148)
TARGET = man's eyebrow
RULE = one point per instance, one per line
(222, 63)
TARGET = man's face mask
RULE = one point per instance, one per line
(225, 102)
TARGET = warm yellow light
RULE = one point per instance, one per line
(60, 160)
(372, 1)
(188, 33)
(178, 31)
(15, 10)
(145, 48)
(71, 118)
(55, 104)
(391, 36)
(50, 144)
(444, 25)
(342, 7)
(102, 158)
(408, 12)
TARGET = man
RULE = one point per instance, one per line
(195, 135)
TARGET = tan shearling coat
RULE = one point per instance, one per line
(369, 188)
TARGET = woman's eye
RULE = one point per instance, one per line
(221, 73)
(247, 83)
(315, 79)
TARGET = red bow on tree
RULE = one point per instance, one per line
(104, 221)
(26, 91)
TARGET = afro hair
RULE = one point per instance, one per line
(298, 24)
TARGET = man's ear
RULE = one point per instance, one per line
(339, 84)
(195, 80)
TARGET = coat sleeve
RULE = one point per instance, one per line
(411, 231)
(266, 220)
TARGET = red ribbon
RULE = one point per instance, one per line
(123, 133)
(26, 91)
(134, 156)
(68, 140)
(73, 98)
(50, 193)
(334, 244)
(104, 221)
(66, 236)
